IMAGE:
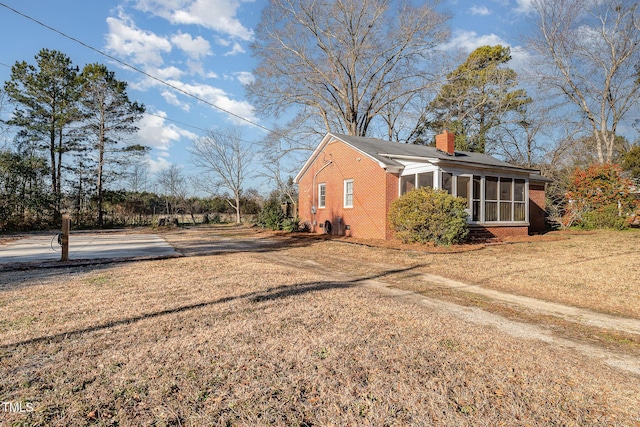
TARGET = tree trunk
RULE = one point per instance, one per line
(238, 221)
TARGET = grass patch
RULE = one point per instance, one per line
(238, 339)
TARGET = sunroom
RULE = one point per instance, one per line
(494, 197)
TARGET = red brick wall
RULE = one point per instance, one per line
(537, 207)
(373, 191)
(372, 188)
(505, 231)
(392, 194)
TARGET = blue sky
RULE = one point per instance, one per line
(201, 47)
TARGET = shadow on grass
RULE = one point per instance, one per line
(275, 293)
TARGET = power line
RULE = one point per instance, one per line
(137, 69)
(192, 126)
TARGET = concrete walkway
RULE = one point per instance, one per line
(86, 246)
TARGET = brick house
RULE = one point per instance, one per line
(348, 184)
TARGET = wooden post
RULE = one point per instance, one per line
(66, 226)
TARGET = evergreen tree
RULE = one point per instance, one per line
(479, 96)
(46, 108)
(109, 116)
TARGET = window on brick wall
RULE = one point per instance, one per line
(322, 195)
(348, 193)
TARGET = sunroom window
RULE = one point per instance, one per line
(475, 209)
(409, 182)
(505, 199)
(447, 182)
(425, 179)
(519, 200)
(491, 198)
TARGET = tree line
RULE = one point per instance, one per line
(360, 67)
(71, 141)
(377, 68)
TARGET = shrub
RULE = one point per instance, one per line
(605, 217)
(291, 224)
(428, 215)
(271, 216)
(599, 197)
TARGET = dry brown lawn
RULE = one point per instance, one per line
(243, 339)
(594, 270)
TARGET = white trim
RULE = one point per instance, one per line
(322, 195)
(347, 181)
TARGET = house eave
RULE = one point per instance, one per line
(330, 137)
(312, 158)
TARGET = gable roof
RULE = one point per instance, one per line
(387, 154)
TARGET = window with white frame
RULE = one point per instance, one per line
(446, 182)
(476, 198)
(407, 183)
(490, 198)
(425, 179)
(419, 180)
(322, 195)
(348, 193)
(505, 199)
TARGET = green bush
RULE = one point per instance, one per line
(271, 216)
(291, 224)
(605, 217)
(428, 215)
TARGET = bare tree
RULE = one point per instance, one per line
(344, 61)
(226, 163)
(588, 52)
(526, 138)
(173, 187)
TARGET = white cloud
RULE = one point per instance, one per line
(158, 165)
(480, 10)
(142, 47)
(165, 73)
(172, 99)
(520, 59)
(469, 41)
(235, 50)
(218, 15)
(245, 77)
(195, 48)
(196, 67)
(524, 6)
(223, 42)
(155, 133)
(220, 99)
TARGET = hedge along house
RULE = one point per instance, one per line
(347, 185)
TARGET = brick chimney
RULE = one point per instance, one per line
(446, 142)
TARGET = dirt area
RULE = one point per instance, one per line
(255, 328)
